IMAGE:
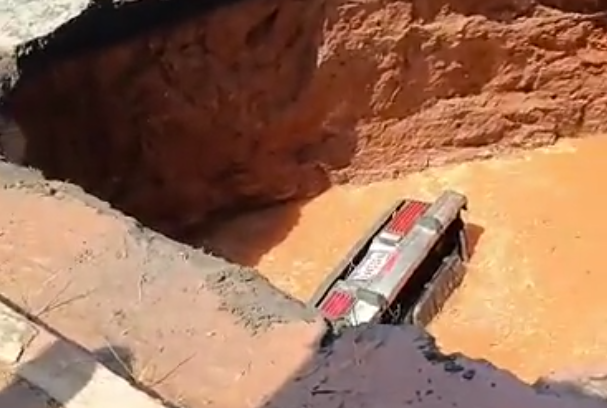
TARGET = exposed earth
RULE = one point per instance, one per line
(262, 101)
(263, 137)
(535, 282)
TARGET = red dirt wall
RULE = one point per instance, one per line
(272, 100)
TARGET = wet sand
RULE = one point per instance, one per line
(533, 298)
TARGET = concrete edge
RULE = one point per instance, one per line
(263, 306)
(63, 370)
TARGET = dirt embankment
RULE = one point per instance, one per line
(263, 101)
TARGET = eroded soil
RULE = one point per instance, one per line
(531, 301)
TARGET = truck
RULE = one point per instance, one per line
(403, 270)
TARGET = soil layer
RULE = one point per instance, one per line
(269, 100)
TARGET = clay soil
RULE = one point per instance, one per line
(533, 296)
(264, 101)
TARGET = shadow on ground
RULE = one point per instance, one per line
(245, 238)
(474, 232)
(52, 362)
(395, 367)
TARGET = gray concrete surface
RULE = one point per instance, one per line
(35, 33)
(18, 393)
(22, 21)
(63, 370)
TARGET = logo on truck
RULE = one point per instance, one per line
(372, 265)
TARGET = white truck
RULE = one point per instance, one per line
(403, 270)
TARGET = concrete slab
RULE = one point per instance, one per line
(24, 20)
(15, 334)
(64, 371)
(194, 327)
(18, 393)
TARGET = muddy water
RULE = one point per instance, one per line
(535, 297)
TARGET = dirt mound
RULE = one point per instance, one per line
(264, 101)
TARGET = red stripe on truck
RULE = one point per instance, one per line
(405, 218)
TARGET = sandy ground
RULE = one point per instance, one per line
(530, 300)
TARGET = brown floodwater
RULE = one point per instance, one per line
(535, 295)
